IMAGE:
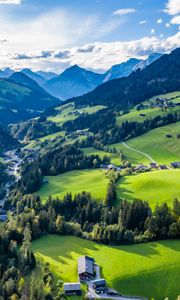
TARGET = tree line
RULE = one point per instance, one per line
(56, 161)
(126, 223)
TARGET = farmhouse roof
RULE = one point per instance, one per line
(72, 287)
(99, 282)
(85, 265)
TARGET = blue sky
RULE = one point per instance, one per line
(54, 34)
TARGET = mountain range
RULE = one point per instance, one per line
(76, 81)
(161, 76)
(22, 98)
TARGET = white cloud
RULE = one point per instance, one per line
(98, 55)
(168, 25)
(10, 2)
(152, 31)
(173, 7)
(125, 11)
(175, 20)
(143, 22)
(159, 21)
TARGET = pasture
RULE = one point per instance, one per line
(68, 112)
(115, 158)
(93, 181)
(144, 114)
(151, 270)
(155, 187)
(155, 143)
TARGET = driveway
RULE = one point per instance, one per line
(91, 294)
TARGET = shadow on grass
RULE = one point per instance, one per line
(155, 284)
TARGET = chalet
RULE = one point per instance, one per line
(100, 286)
(110, 167)
(140, 168)
(175, 165)
(86, 267)
(163, 167)
(72, 289)
(153, 165)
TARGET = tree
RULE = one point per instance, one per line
(111, 195)
(26, 241)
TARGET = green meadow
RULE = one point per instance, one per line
(93, 181)
(68, 112)
(115, 158)
(174, 96)
(155, 187)
(149, 113)
(156, 144)
(151, 270)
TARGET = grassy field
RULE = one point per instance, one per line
(156, 144)
(154, 187)
(151, 270)
(174, 96)
(68, 112)
(115, 158)
(53, 136)
(93, 181)
(150, 113)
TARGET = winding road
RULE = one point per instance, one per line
(143, 153)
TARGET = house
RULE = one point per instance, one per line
(100, 286)
(72, 289)
(175, 165)
(86, 267)
(163, 167)
(140, 168)
(153, 165)
(110, 167)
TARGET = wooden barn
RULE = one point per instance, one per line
(72, 289)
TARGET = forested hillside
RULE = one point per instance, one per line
(6, 140)
(162, 76)
(21, 98)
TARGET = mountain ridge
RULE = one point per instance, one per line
(139, 86)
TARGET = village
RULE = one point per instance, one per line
(142, 167)
(89, 272)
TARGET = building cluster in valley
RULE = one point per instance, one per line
(142, 167)
(88, 272)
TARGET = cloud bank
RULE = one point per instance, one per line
(98, 56)
(10, 2)
(173, 7)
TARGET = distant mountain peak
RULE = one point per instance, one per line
(21, 78)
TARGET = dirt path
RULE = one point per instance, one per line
(143, 153)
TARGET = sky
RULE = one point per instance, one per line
(53, 35)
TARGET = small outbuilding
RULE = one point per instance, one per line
(72, 289)
(163, 167)
(175, 165)
(100, 286)
(153, 165)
